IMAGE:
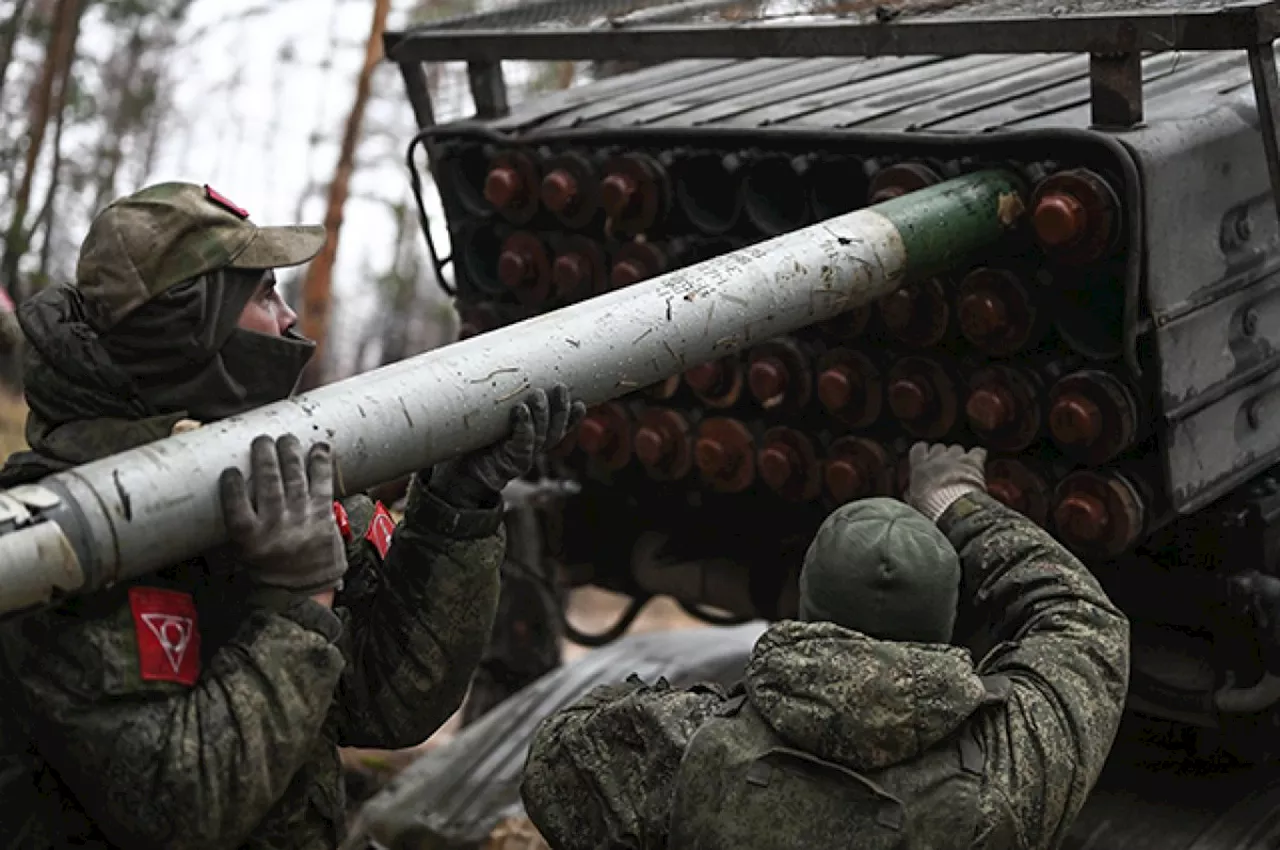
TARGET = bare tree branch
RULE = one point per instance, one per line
(9, 38)
(66, 22)
(49, 216)
(319, 281)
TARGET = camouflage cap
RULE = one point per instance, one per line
(877, 566)
(141, 245)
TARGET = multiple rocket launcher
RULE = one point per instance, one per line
(1116, 353)
(821, 416)
(652, 268)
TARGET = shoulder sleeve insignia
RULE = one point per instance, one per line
(343, 520)
(168, 634)
(225, 202)
(380, 530)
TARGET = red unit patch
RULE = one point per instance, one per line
(224, 202)
(380, 530)
(344, 521)
(168, 635)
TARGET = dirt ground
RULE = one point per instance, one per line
(593, 610)
(13, 415)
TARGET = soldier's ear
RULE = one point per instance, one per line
(182, 426)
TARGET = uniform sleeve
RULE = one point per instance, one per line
(1064, 647)
(603, 772)
(413, 640)
(166, 764)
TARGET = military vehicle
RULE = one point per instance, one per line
(1118, 361)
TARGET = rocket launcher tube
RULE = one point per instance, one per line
(140, 510)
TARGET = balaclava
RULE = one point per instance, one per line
(184, 352)
(162, 278)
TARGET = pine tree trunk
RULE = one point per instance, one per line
(50, 215)
(61, 39)
(110, 152)
(9, 38)
(319, 280)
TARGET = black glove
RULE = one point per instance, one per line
(1257, 597)
(291, 540)
(941, 474)
(475, 480)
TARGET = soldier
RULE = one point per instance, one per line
(203, 706)
(862, 720)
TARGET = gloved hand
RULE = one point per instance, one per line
(1257, 597)
(941, 474)
(291, 540)
(477, 479)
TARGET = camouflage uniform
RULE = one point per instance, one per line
(236, 746)
(837, 739)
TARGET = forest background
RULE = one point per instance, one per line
(285, 107)
(282, 105)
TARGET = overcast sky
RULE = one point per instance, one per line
(244, 124)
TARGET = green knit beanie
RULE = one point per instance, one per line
(877, 566)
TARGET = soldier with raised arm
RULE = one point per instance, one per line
(862, 724)
(203, 706)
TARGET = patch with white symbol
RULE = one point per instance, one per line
(380, 530)
(168, 635)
